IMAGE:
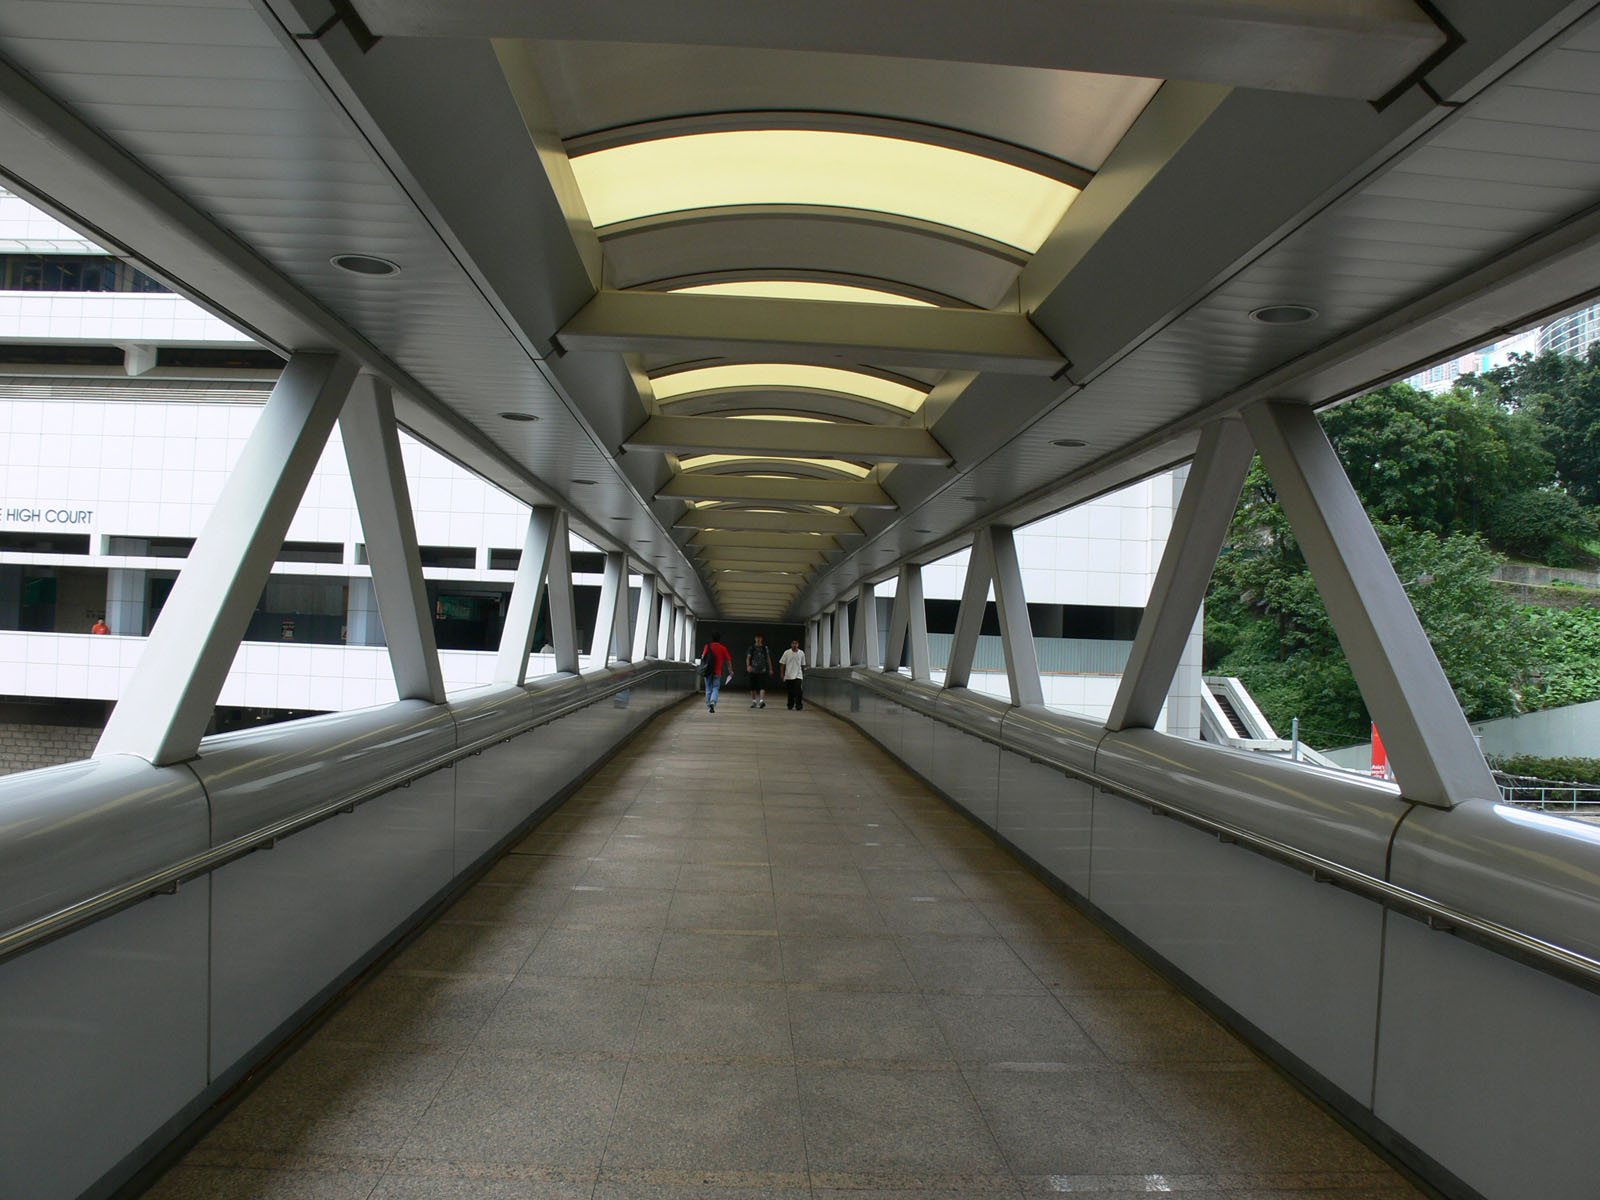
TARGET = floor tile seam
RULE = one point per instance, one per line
(627, 1068)
(799, 1100)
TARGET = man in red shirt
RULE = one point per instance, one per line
(721, 663)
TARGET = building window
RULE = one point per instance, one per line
(72, 273)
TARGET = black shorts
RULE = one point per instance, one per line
(758, 681)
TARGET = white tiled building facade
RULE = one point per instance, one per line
(117, 472)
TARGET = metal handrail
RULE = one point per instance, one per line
(1534, 951)
(167, 880)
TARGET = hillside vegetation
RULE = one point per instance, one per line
(1505, 464)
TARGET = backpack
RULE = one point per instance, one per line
(708, 663)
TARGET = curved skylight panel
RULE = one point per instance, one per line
(776, 376)
(696, 462)
(802, 289)
(861, 171)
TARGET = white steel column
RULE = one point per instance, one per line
(675, 634)
(660, 622)
(1016, 630)
(841, 635)
(539, 544)
(378, 477)
(969, 617)
(558, 589)
(1199, 528)
(612, 584)
(1435, 757)
(813, 630)
(908, 620)
(864, 637)
(917, 623)
(165, 709)
(894, 645)
(825, 640)
(648, 623)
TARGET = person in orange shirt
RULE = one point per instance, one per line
(100, 626)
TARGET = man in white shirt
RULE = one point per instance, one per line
(792, 665)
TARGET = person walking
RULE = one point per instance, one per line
(793, 665)
(719, 659)
(758, 665)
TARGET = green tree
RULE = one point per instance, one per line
(1266, 623)
(1439, 463)
(1561, 394)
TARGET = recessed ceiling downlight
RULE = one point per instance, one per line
(365, 264)
(1069, 443)
(517, 416)
(1284, 314)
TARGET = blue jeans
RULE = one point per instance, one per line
(713, 689)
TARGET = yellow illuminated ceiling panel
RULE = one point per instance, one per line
(698, 461)
(772, 376)
(861, 171)
(802, 289)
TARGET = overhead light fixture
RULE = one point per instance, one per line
(365, 264)
(585, 482)
(1284, 314)
(784, 377)
(976, 499)
(922, 531)
(517, 416)
(802, 289)
(1069, 443)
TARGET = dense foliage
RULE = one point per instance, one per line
(1506, 462)
(1561, 770)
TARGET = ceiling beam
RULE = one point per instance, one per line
(770, 554)
(760, 328)
(751, 586)
(708, 539)
(1331, 47)
(700, 485)
(780, 572)
(731, 519)
(789, 439)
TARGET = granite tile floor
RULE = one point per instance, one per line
(753, 957)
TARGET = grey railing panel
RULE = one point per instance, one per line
(1053, 737)
(1532, 872)
(1345, 818)
(260, 778)
(487, 714)
(72, 833)
(125, 1011)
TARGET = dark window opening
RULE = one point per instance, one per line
(72, 273)
(63, 355)
(587, 562)
(300, 608)
(311, 552)
(467, 617)
(1089, 622)
(459, 558)
(168, 547)
(244, 358)
(504, 560)
(46, 543)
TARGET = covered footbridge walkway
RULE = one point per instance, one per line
(774, 305)
(753, 956)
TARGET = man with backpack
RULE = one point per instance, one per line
(758, 665)
(716, 667)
